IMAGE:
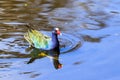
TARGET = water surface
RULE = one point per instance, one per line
(89, 46)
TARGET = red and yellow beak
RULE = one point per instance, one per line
(58, 32)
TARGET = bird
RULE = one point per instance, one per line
(39, 40)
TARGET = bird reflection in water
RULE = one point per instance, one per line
(52, 54)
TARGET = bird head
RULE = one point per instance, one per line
(57, 31)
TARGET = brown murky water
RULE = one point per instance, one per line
(89, 45)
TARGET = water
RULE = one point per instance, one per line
(89, 46)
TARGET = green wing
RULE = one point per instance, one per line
(37, 39)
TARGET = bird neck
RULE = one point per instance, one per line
(55, 40)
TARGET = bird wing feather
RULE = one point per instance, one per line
(37, 39)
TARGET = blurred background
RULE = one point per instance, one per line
(89, 46)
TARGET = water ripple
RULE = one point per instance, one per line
(69, 43)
